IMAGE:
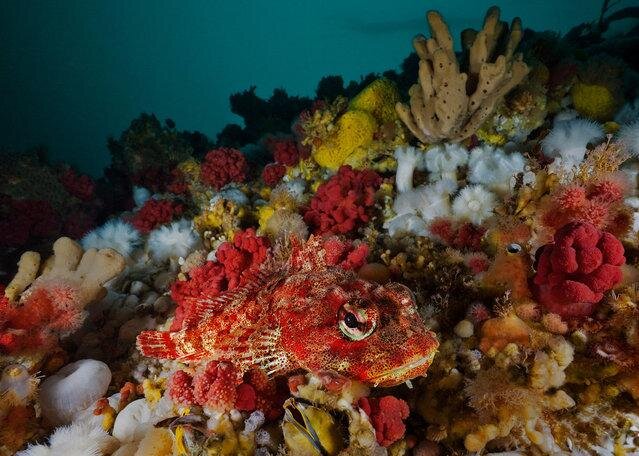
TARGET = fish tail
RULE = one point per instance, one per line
(157, 344)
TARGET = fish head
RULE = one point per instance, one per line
(361, 330)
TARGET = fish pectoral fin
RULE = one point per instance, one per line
(265, 351)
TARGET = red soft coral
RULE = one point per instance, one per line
(246, 398)
(243, 256)
(206, 281)
(285, 150)
(386, 415)
(258, 392)
(154, 213)
(576, 270)
(22, 221)
(222, 166)
(80, 186)
(178, 184)
(79, 222)
(236, 262)
(343, 203)
(273, 173)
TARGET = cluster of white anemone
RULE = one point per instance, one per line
(490, 172)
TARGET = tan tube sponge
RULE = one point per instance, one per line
(448, 104)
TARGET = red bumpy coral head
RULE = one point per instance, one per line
(576, 270)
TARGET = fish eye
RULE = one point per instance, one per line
(355, 323)
(350, 320)
(513, 248)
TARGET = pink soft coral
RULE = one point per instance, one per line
(576, 270)
(343, 203)
(154, 213)
(386, 414)
(181, 388)
(222, 166)
(219, 385)
(215, 386)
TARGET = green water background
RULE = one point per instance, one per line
(74, 72)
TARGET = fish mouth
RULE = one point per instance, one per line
(404, 372)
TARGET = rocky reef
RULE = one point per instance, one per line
(437, 261)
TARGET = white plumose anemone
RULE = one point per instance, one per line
(442, 161)
(569, 138)
(408, 160)
(230, 193)
(629, 136)
(427, 201)
(628, 113)
(494, 168)
(406, 224)
(78, 439)
(415, 208)
(175, 240)
(474, 203)
(115, 234)
(140, 196)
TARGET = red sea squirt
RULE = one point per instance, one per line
(575, 271)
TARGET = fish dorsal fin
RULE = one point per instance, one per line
(203, 307)
(308, 256)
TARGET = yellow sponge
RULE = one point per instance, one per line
(379, 99)
(355, 129)
(594, 101)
